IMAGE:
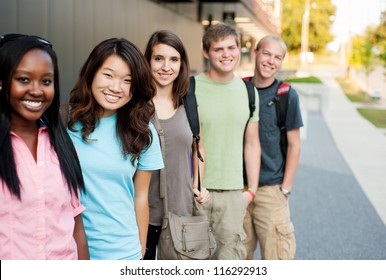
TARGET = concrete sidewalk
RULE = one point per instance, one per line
(362, 145)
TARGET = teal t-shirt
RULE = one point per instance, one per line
(109, 220)
(224, 113)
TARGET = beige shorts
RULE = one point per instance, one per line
(225, 211)
(268, 223)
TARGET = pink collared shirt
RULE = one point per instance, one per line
(41, 224)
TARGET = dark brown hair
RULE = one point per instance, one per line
(133, 118)
(167, 37)
(217, 32)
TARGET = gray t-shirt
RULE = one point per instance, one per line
(178, 146)
(272, 165)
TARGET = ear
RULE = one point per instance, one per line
(206, 54)
(254, 54)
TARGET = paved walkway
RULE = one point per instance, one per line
(342, 206)
(361, 144)
(332, 216)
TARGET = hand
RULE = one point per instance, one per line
(201, 196)
(286, 196)
(248, 197)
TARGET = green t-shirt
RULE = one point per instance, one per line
(224, 113)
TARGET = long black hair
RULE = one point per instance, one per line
(12, 49)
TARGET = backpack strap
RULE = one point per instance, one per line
(251, 96)
(281, 102)
(190, 104)
(252, 106)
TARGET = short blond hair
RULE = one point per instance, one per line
(274, 38)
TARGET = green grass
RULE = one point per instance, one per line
(353, 92)
(375, 116)
(310, 79)
(351, 89)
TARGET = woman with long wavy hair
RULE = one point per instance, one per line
(110, 109)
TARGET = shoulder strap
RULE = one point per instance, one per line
(190, 104)
(283, 88)
(281, 101)
(251, 96)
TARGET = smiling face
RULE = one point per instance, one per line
(111, 85)
(32, 88)
(223, 55)
(165, 64)
(269, 58)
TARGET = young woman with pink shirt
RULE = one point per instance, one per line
(40, 176)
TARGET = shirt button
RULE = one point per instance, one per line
(40, 163)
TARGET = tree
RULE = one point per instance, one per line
(378, 38)
(362, 54)
(319, 28)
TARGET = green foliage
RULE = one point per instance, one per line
(361, 53)
(320, 24)
(368, 49)
(292, 12)
(378, 38)
(319, 27)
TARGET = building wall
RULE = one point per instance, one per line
(76, 26)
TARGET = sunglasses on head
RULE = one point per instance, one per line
(15, 37)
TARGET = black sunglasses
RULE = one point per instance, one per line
(16, 37)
